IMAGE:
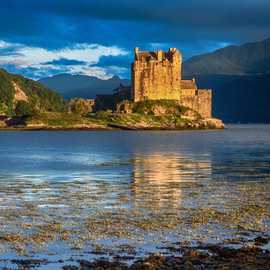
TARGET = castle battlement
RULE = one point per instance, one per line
(172, 56)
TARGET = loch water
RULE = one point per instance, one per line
(66, 195)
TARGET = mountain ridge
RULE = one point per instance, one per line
(84, 86)
(240, 79)
(246, 59)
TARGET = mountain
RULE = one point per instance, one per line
(247, 59)
(243, 99)
(240, 79)
(71, 86)
(17, 92)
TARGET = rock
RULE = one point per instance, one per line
(3, 124)
(151, 263)
(70, 267)
(188, 266)
(260, 241)
(193, 259)
(102, 265)
(213, 123)
(36, 125)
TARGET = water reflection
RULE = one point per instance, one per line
(136, 188)
(155, 181)
(158, 179)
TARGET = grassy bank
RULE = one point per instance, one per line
(161, 115)
(105, 120)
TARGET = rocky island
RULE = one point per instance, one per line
(158, 98)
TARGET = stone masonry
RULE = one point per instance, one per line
(157, 75)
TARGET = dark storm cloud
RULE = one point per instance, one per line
(65, 62)
(174, 20)
(120, 61)
(195, 26)
(188, 12)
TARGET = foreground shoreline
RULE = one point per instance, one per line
(112, 127)
(251, 257)
(205, 257)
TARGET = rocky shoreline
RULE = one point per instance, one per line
(205, 124)
(109, 128)
(252, 257)
(210, 257)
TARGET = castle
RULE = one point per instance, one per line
(157, 75)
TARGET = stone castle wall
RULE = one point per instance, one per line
(156, 75)
(200, 102)
(188, 92)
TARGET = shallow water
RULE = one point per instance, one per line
(69, 195)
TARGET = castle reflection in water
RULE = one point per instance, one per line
(158, 179)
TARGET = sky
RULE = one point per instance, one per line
(40, 38)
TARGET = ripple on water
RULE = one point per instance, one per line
(143, 190)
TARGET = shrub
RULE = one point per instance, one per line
(81, 106)
(150, 107)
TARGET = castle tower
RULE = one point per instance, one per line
(156, 75)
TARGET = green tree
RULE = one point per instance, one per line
(23, 109)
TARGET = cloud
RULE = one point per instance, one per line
(79, 58)
(58, 23)
(65, 62)
(188, 12)
(54, 29)
(89, 53)
(4, 44)
(123, 61)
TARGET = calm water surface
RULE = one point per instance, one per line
(69, 195)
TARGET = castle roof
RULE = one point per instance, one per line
(188, 84)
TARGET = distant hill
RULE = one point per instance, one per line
(16, 89)
(248, 59)
(243, 99)
(240, 79)
(71, 86)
